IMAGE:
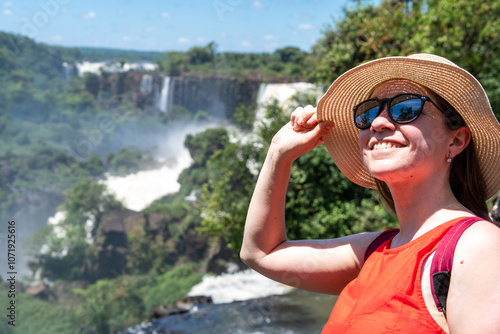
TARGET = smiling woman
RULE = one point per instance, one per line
(421, 130)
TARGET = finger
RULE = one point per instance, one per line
(294, 117)
(323, 127)
(307, 113)
(313, 119)
(302, 118)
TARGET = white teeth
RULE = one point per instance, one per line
(384, 145)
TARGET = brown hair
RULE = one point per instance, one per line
(466, 178)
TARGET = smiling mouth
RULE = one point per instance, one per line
(385, 145)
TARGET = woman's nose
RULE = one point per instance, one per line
(383, 121)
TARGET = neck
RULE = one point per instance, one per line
(421, 206)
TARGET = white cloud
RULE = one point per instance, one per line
(269, 37)
(57, 38)
(182, 40)
(7, 12)
(257, 5)
(126, 39)
(165, 15)
(7, 4)
(246, 44)
(305, 26)
(200, 39)
(149, 29)
(89, 16)
(301, 16)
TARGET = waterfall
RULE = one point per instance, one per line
(164, 102)
(68, 71)
(146, 87)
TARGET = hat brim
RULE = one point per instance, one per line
(457, 86)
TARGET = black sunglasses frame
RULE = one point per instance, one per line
(380, 102)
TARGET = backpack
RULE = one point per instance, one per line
(442, 262)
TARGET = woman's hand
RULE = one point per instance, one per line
(301, 134)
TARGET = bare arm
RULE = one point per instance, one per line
(474, 297)
(316, 265)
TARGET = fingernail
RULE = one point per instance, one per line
(301, 120)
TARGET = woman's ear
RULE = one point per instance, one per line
(460, 141)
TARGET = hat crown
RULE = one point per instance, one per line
(431, 57)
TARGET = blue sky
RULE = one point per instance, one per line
(172, 25)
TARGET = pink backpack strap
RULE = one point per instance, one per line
(382, 237)
(442, 262)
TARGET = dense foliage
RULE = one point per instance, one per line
(287, 64)
(106, 306)
(55, 132)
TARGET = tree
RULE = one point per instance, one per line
(226, 195)
(67, 243)
(202, 55)
(468, 33)
(92, 84)
(290, 54)
(367, 32)
(244, 117)
(174, 63)
(88, 200)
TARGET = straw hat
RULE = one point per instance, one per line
(457, 86)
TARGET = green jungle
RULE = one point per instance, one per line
(41, 115)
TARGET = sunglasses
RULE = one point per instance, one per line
(402, 109)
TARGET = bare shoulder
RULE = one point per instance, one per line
(481, 236)
(478, 248)
(474, 290)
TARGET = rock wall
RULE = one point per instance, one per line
(216, 95)
(113, 236)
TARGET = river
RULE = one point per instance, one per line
(246, 303)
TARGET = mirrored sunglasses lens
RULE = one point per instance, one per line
(366, 113)
(406, 111)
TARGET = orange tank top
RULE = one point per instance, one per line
(386, 297)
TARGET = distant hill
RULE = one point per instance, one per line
(104, 54)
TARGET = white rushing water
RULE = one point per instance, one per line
(146, 84)
(111, 67)
(164, 98)
(137, 190)
(242, 285)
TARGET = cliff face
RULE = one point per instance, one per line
(113, 238)
(216, 95)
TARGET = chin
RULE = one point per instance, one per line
(389, 171)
